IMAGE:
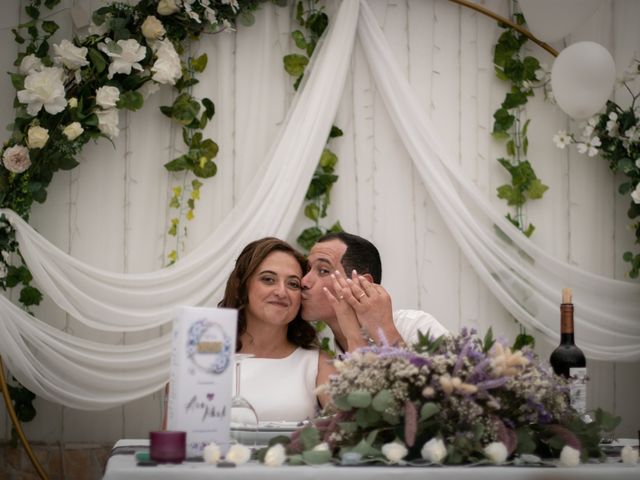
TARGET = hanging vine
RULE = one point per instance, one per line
(314, 21)
(522, 73)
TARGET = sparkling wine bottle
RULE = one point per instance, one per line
(567, 359)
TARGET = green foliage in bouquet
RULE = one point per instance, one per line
(453, 400)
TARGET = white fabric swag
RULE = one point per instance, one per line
(90, 375)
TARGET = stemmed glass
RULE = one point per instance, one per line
(244, 418)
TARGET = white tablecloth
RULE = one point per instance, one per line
(123, 467)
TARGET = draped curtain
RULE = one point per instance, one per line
(89, 374)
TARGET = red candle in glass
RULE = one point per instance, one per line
(168, 446)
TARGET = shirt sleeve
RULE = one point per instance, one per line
(409, 322)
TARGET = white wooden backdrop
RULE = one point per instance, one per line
(112, 211)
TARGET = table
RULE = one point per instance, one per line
(123, 467)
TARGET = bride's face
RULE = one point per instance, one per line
(274, 290)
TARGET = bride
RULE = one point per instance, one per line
(281, 379)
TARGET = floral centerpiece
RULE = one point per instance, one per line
(457, 399)
(615, 135)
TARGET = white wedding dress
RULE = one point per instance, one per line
(281, 389)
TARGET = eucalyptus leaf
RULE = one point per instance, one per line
(367, 417)
(382, 400)
(359, 398)
(309, 437)
(316, 457)
(428, 410)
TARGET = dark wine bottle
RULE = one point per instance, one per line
(567, 359)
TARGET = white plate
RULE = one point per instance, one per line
(247, 435)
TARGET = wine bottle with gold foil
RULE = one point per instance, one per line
(567, 359)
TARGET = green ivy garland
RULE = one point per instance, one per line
(318, 197)
(522, 74)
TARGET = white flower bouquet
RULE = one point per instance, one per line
(458, 399)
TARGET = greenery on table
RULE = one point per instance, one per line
(455, 400)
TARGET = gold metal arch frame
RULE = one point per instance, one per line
(3, 384)
(17, 426)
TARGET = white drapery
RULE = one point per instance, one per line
(89, 375)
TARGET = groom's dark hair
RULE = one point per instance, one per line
(361, 255)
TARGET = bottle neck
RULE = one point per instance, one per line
(566, 323)
(567, 339)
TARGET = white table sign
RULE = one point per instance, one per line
(203, 343)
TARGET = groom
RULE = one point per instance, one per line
(365, 305)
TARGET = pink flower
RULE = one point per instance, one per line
(16, 159)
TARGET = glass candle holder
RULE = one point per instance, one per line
(168, 446)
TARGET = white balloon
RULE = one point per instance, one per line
(582, 79)
(552, 20)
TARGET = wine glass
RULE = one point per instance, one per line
(244, 419)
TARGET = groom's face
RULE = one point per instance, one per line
(324, 259)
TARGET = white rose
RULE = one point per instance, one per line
(635, 195)
(72, 102)
(131, 53)
(73, 131)
(167, 68)
(167, 7)
(211, 453)
(238, 454)
(434, 450)
(37, 137)
(496, 452)
(67, 54)
(44, 89)
(152, 28)
(275, 456)
(394, 451)
(108, 122)
(569, 456)
(30, 63)
(629, 455)
(16, 159)
(107, 97)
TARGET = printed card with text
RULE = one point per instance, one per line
(200, 388)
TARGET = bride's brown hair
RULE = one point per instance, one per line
(236, 295)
